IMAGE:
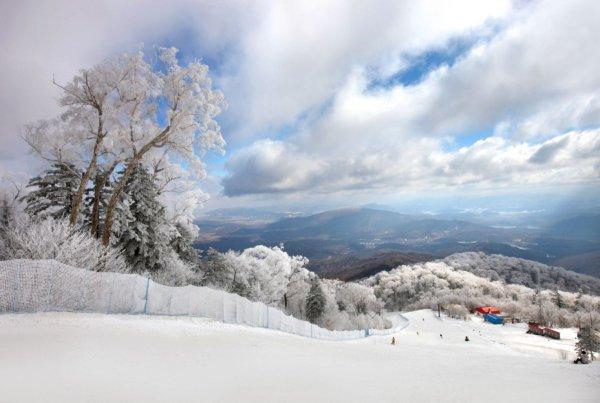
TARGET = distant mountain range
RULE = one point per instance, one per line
(365, 223)
(333, 239)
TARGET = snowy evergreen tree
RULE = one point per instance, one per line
(315, 302)
(54, 191)
(182, 244)
(6, 214)
(222, 272)
(144, 233)
(558, 299)
(588, 341)
(214, 270)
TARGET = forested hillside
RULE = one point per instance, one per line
(521, 271)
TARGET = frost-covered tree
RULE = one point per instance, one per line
(510, 309)
(5, 213)
(583, 290)
(589, 341)
(315, 302)
(145, 238)
(298, 285)
(187, 130)
(215, 270)
(558, 299)
(10, 207)
(126, 111)
(263, 272)
(51, 193)
(521, 271)
(457, 311)
(182, 243)
(357, 299)
(88, 131)
(96, 200)
(545, 312)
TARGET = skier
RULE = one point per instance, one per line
(393, 341)
(466, 338)
(441, 337)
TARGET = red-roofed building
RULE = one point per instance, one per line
(488, 309)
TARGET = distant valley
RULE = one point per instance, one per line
(353, 243)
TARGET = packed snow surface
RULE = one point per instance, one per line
(61, 357)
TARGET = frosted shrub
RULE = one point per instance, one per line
(53, 239)
(351, 306)
(174, 271)
(357, 299)
(264, 274)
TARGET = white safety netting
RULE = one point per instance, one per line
(46, 285)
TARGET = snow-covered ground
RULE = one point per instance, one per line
(80, 357)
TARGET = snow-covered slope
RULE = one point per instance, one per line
(63, 357)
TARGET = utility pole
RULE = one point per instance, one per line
(539, 294)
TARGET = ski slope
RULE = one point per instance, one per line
(61, 357)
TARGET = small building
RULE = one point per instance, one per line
(488, 310)
(493, 319)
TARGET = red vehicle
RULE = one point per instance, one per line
(553, 334)
(534, 328)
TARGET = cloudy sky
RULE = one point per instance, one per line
(345, 102)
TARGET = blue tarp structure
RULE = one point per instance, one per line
(494, 319)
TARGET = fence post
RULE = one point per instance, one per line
(170, 301)
(112, 289)
(236, 311)
(83, 288)
(84, 283)
(146, 296)
(15, 290)
(268, 317)
(49, 288)
(189, 302)
(223, 306)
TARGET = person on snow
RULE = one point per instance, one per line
(582, 359)
(393, 341)
(466, 338)
(441, 337)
